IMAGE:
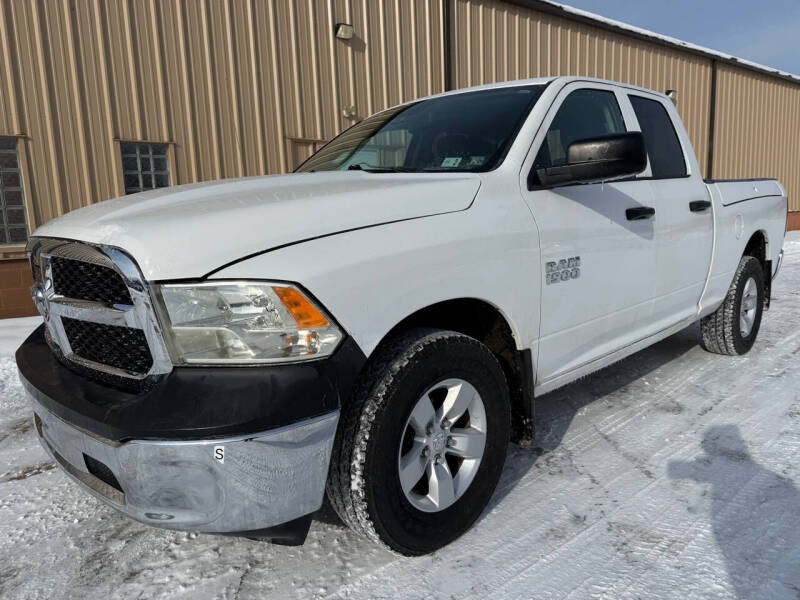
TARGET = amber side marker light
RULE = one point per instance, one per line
(302, 311)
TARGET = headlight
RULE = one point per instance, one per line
(243, 322)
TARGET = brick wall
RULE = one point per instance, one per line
(793, 223)
(15, 294)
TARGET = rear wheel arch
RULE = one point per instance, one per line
(758, 247)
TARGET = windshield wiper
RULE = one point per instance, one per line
(378, 169)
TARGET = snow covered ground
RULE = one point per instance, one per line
(671, 475)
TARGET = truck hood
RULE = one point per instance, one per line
(190, 230)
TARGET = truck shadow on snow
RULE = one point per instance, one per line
(555, 411)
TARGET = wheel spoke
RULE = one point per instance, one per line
(412, 466)
(441, 489)
(748, 307)
(422, 415)
(458, 399)
(467, 443)
(748, 287)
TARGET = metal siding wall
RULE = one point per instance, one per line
(245, 87)
(235, 87)
(758, 129)
(497, 41)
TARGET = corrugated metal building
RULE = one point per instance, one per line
(103, 97)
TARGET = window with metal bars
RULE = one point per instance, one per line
(14, 228)
(144, 166)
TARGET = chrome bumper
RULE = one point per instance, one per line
(235, 484)
(778, 264)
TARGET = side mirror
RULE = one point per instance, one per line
(596, 159)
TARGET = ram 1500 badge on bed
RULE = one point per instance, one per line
(217, 357)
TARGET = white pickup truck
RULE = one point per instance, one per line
(217, 357)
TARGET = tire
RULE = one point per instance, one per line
(722, 331)
(364, 484)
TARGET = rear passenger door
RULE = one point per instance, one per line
(683, 223)
(597, 265)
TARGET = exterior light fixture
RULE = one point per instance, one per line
(672, 95)
(343, 31)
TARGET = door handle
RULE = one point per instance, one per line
(640, 212)
(699, 205)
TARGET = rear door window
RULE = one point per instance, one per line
(663, 147)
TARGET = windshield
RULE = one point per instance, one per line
(471, 131)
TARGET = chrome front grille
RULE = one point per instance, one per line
(119, 347)
(88, 281)
(98, 312)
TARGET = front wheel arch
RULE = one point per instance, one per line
(490, 326)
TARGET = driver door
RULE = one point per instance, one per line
(598, 266)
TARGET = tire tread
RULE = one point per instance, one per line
(717, 329)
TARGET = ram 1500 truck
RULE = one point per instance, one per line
(217, 357)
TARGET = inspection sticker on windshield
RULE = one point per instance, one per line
(451, 161)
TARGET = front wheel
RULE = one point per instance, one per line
(733, 327)
(421, 447)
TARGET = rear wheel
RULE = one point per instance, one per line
(733, 327)
(421, 447)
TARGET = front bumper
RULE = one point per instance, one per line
(219, 450)
(240, 484)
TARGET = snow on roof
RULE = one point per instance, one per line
(584, 14)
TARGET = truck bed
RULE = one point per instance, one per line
(731, 191)
(742, 206)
